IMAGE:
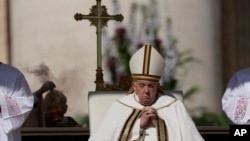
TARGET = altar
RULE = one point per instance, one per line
(210, 133)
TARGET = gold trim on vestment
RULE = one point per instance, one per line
(125, 134)
(127, 105)
(167, 104)
(162, 133)
(161, 130)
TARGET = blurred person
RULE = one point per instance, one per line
(146, 113)
(236, 98)
(16, 102)
(36, 118)
(55, 107)
(50, 109)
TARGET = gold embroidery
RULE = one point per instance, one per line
(161, 130)
(125, 134)
(162, 133)
(167, 104)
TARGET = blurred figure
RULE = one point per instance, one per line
(55, 106)
(236, 99)
(16, 102)
(50, 109)
(36, 117)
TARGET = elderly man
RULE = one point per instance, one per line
(146, 114)
(55, 104)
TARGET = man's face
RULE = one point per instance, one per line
(146, 91)
(54, 113)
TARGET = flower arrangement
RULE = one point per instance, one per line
(127, 40)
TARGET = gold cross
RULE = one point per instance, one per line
(98, 17)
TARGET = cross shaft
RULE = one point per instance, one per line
(98, 17)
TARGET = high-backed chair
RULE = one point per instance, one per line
(99, 102)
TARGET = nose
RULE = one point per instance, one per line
(147, 89)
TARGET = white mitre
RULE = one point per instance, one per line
(147, 64)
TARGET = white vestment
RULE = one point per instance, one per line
(236, 99)
(114, 126)
(16, 101)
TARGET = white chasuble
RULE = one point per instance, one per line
(151, 133)
(122, 120)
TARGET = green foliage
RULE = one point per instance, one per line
(186, 57)
(211, 118)
(190, 92)
(83, 120)
(169, 85)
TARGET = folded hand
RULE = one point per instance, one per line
(148, 117)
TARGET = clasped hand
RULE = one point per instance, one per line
(148, 117)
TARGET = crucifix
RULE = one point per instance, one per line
(98, 17)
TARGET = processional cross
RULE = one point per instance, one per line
(99, 17)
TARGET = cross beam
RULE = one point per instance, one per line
(98, 17)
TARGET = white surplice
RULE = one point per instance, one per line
(179, 125)
(16, 101)
(236, 99)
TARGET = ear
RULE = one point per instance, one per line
(159, 85)
(65, 109)
(133, 86)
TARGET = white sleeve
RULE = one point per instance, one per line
(236, 99)
(16, 103)
(187, 126)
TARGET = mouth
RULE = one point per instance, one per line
(146, 98)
